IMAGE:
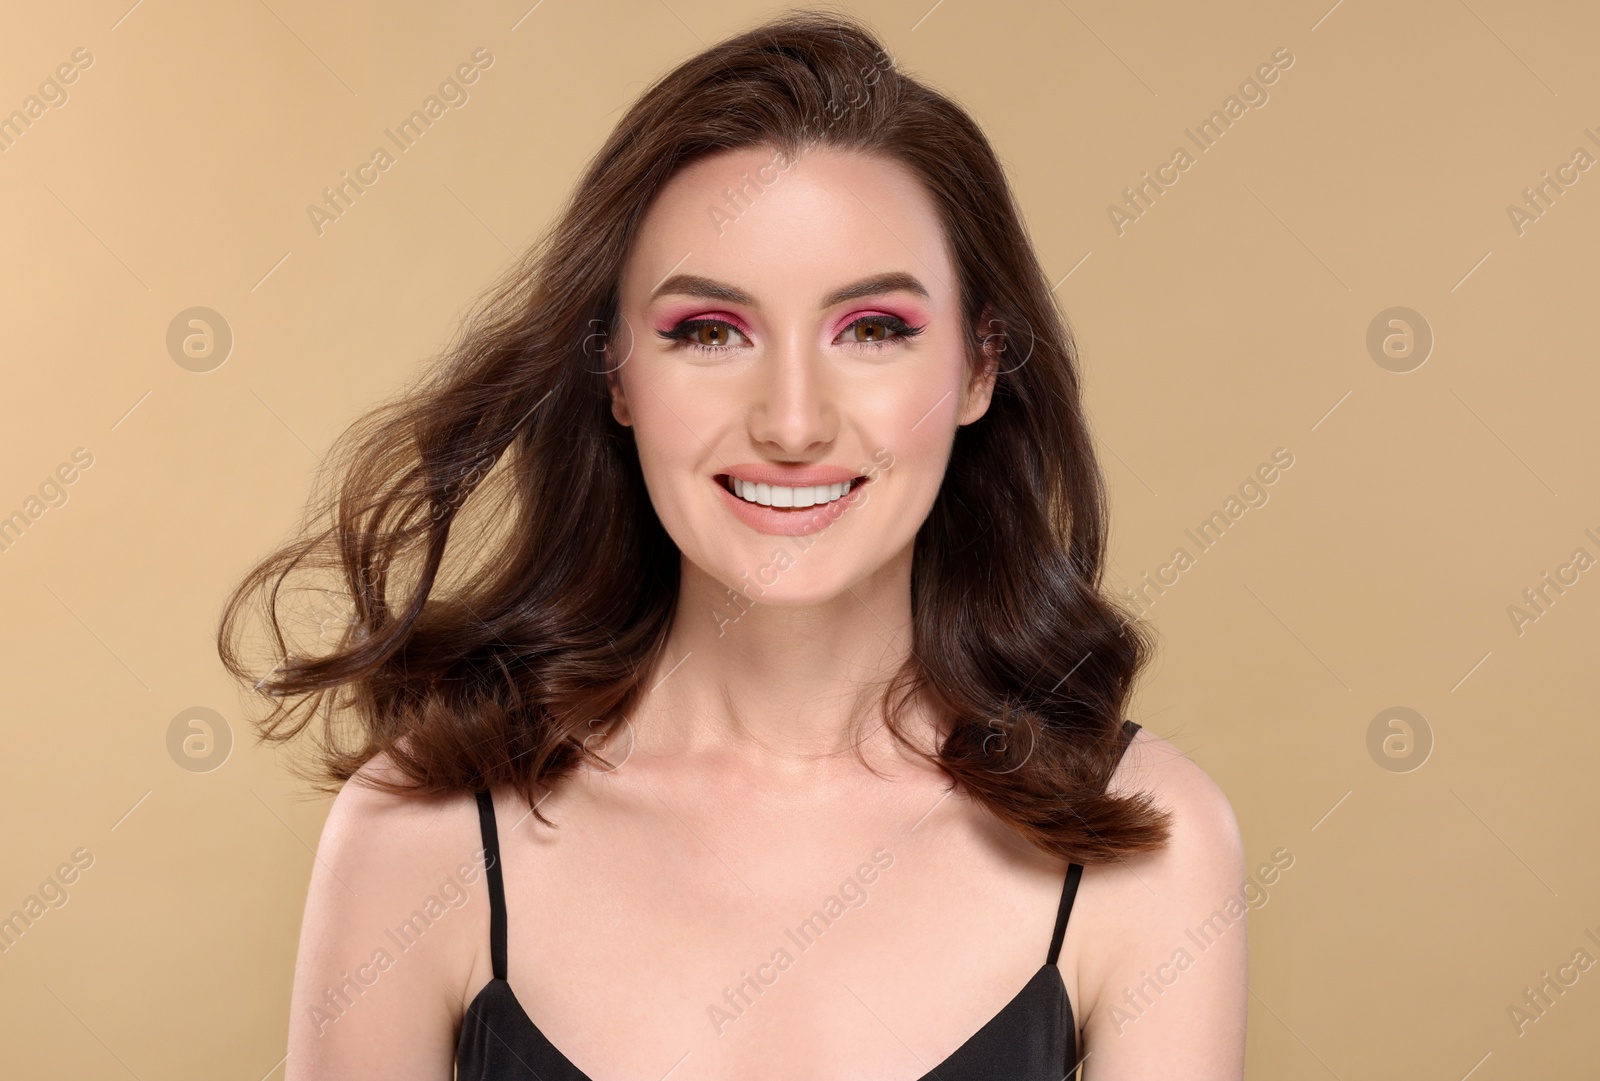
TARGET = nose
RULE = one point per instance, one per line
(792, 411)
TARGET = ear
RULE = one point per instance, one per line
(991, 333)
(619, 400)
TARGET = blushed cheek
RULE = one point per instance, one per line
(909, 441)
(671, 410)
(918, 454)
(669, 430)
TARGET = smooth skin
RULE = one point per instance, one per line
(737, 806)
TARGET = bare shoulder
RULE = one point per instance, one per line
(390, 940)
(1203, 859)
(367, 827)
(1164, 981)
(1205, 832)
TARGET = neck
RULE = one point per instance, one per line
(781, 686)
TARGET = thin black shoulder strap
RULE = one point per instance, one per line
(497, 889)
(1069, 890)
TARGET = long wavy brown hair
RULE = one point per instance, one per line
(497, 658)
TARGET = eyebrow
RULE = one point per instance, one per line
(693, 285)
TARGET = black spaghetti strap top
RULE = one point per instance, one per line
(1032, 1038)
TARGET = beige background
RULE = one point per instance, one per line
(1230, 320)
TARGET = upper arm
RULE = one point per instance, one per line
(1166, 989)
(387, 945)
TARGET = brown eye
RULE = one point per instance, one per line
(871, 330)
(708, 336)
(878, 330)
(709, 333)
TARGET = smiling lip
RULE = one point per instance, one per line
(789, 521)
(792, 476)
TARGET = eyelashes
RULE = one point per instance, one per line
(686, 335)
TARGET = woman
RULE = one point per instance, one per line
(765, 717)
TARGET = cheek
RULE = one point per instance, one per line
(914, 421)
(912, 462)
(670, 400)
(668, 427)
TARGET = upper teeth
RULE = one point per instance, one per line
(778, 495)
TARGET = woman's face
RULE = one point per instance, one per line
(792, 363)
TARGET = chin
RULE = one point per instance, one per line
(785, 578)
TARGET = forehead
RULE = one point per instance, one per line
(791, 231)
